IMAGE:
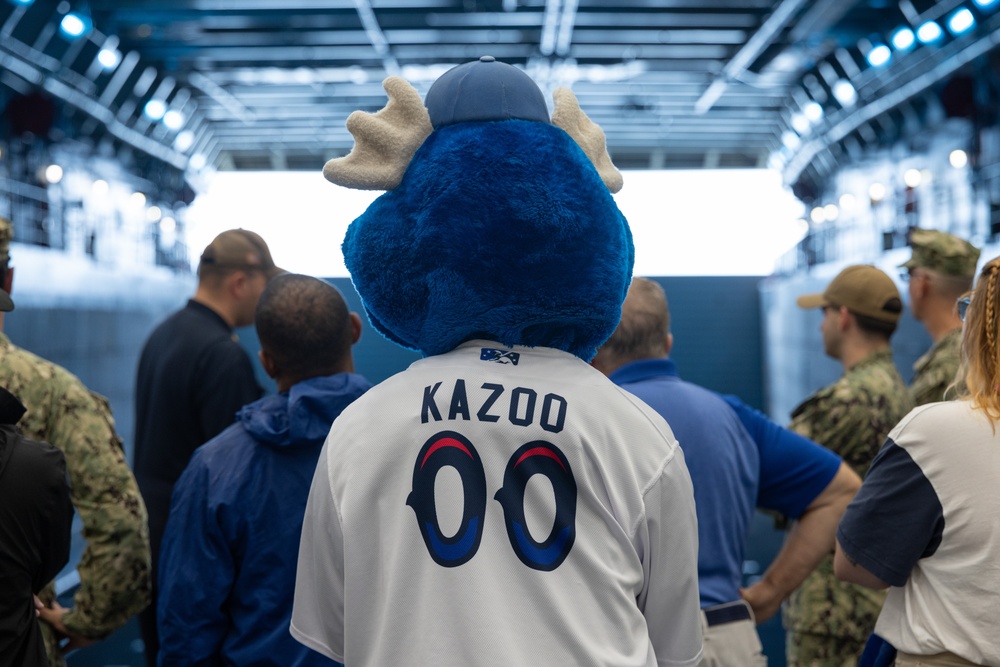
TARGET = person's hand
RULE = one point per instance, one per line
(764, 600)
(53, 616)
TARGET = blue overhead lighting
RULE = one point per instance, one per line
(813, 111)
(985, 3)
(154, 109)
(903, 39)
(74, 25)
(879, 55)
(109, 58)
(929, 32)
(845, 92)
(961, 21)
(23, 2)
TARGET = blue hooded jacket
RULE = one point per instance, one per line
(229, 555)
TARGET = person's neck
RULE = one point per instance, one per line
(218, 305)
(940, 322)
(860, 349)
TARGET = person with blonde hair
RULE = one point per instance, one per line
(926, 521)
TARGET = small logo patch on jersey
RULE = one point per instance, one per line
(499, 356)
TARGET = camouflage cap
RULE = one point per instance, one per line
(864, 290)
(943, 252)
(239, 249)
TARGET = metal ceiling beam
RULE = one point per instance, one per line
(745, 57)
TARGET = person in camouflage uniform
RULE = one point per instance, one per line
(115, 565)
(940, 270)
(828, 622)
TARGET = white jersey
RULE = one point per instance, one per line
(500, 507)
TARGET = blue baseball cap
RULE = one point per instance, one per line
(484, 90)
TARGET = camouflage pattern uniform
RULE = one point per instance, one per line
(947, 255)
(114, 568)
(937, 370)
(828, 621)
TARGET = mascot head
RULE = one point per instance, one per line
(498, 223)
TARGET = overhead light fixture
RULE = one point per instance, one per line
(847, 201)
(74, 25)
(184, 140)
(961, 21)
(985, 3)
(903, 39)
(137, 199)
(53, 173)
(831, 212)
(912, 178)
(876, 192)
(109, 58)
(958, 158)
(879, 55)
(153, 214)
(818, 215)
(813, 111)
(173, 119)
(197, 162)
(154, 109)
(790, 140)
(845, 92)
(929, 32)
(800, 123)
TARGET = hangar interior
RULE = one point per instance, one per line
(880, 116)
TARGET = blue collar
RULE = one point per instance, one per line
(644, 369)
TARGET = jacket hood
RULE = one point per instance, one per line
(302, 416)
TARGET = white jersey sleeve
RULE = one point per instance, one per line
(668, 536)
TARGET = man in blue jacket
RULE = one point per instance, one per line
(227, 567)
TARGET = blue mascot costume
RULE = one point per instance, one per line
(500, 501)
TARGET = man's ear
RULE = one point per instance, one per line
(267, 361)
(846, 319)
(668, 344)
(8, 279)
(355, 327)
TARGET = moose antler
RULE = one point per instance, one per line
(384, 142)
(568, 116)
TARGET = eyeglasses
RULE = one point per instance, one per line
(963, 305)
(906, 274)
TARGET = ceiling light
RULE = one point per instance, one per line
(847, 201)
(845, 92)
(818, 215)
(813, 111)
(53, 173)
(879, 55)
(173, 119)
(876, 192)
(74, 25)
(961, 21)
(831, 212)
(197, 162)
(800, 123)
(137, 199)
(100, 187)
(168, 225)
(929, 32)
(903, 39)
(790, 140)
(184, 140)
(109, 58)
(912, 178)
(985, 3)
(958, 158)
(154, 109)
(153, 213)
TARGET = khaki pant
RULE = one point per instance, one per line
(938, 660)
(734, 644)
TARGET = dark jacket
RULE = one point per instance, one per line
(227, 568)
(35, 519)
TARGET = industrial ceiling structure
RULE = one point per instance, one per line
(797, 85)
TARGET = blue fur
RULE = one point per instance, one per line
(499, 230)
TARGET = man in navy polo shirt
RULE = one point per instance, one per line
(739, 460)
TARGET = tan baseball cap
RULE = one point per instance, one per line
(239, 249)
(864, 290)
(940, 251)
